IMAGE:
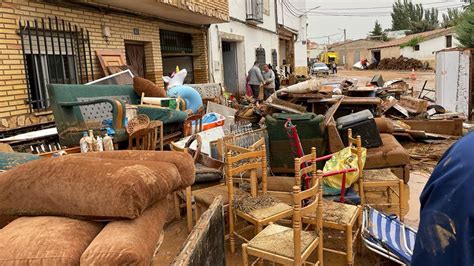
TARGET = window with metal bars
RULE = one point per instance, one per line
(176, 42)
(260, 56)
(54, 52)
(274, 58)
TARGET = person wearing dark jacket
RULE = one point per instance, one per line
(446, 231)
(277, 78)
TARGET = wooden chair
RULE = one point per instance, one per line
(189, 128)
(142, 139)
(378, 178)
(340, 216)
(203, 197)
(239, 164)
(286, 245)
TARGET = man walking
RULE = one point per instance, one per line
(255, 79)
(269, 77)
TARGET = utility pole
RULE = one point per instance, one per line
(345, 50)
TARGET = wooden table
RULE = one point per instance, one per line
(349, 102)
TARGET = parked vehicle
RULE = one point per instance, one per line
(319, 69)
(328, 58)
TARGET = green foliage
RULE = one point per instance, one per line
(413, 17)
(377, 33)
(412, 42)
(465, 28)
(451, 18)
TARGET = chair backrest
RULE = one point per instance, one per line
(305, 166)
(313, 197)
(357, 150)
(192, 125)
(245, 161)
(143, 139)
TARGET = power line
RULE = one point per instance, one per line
(381, 7)
(367, 14)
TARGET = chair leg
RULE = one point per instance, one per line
(389, 196)
(349, 252)
(245, 255)
(189, 209)
(177, 210)
(401, 199)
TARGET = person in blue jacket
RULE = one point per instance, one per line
(446, 231)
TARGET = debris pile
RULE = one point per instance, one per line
(400, 63)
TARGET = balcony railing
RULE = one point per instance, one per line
(254, 11)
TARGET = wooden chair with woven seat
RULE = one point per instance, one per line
(339, 216)
(192, 125)
(284, 245)
(204, 197)
(258, 217)
(142, 139)
(379, 178)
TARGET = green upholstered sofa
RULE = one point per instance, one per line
(77, 108)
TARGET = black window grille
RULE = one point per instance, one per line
(176, 42)
(274, 58)
(54, 52)
(260, 56)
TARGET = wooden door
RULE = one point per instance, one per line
(135, 55)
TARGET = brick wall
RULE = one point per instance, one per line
(200, 62)
(215, 8)
(13, 88)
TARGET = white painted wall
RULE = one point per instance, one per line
(428, 48)
(252, 37)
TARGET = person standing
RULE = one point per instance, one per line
(255, 79)
(334, 67)
(277, 78)
(269, 84)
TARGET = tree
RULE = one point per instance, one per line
(413, 17)
(377, 32)
(428, 22)
(451, 18)
(465, 28)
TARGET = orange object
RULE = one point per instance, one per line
(413, 74)
(218, 123)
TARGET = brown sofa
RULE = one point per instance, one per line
(390, 155)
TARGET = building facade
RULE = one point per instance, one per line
(421, 46)
(256, 32)
(44, 42)
(356, 50)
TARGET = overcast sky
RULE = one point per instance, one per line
(357, 16)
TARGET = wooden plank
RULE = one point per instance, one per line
(350, 101)
(205, 245)
(451, 127)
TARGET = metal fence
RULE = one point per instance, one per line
(54, 52)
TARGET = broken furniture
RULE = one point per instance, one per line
(310, 131)
(205, 245)
(388, 237)
(259, 216)
(210, 92)
(452, 127)
(111, 61)
(348, 105)
(294, 245)
(77, 108)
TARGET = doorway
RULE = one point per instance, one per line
(376, 55)
(135, 55)
(229, 63)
